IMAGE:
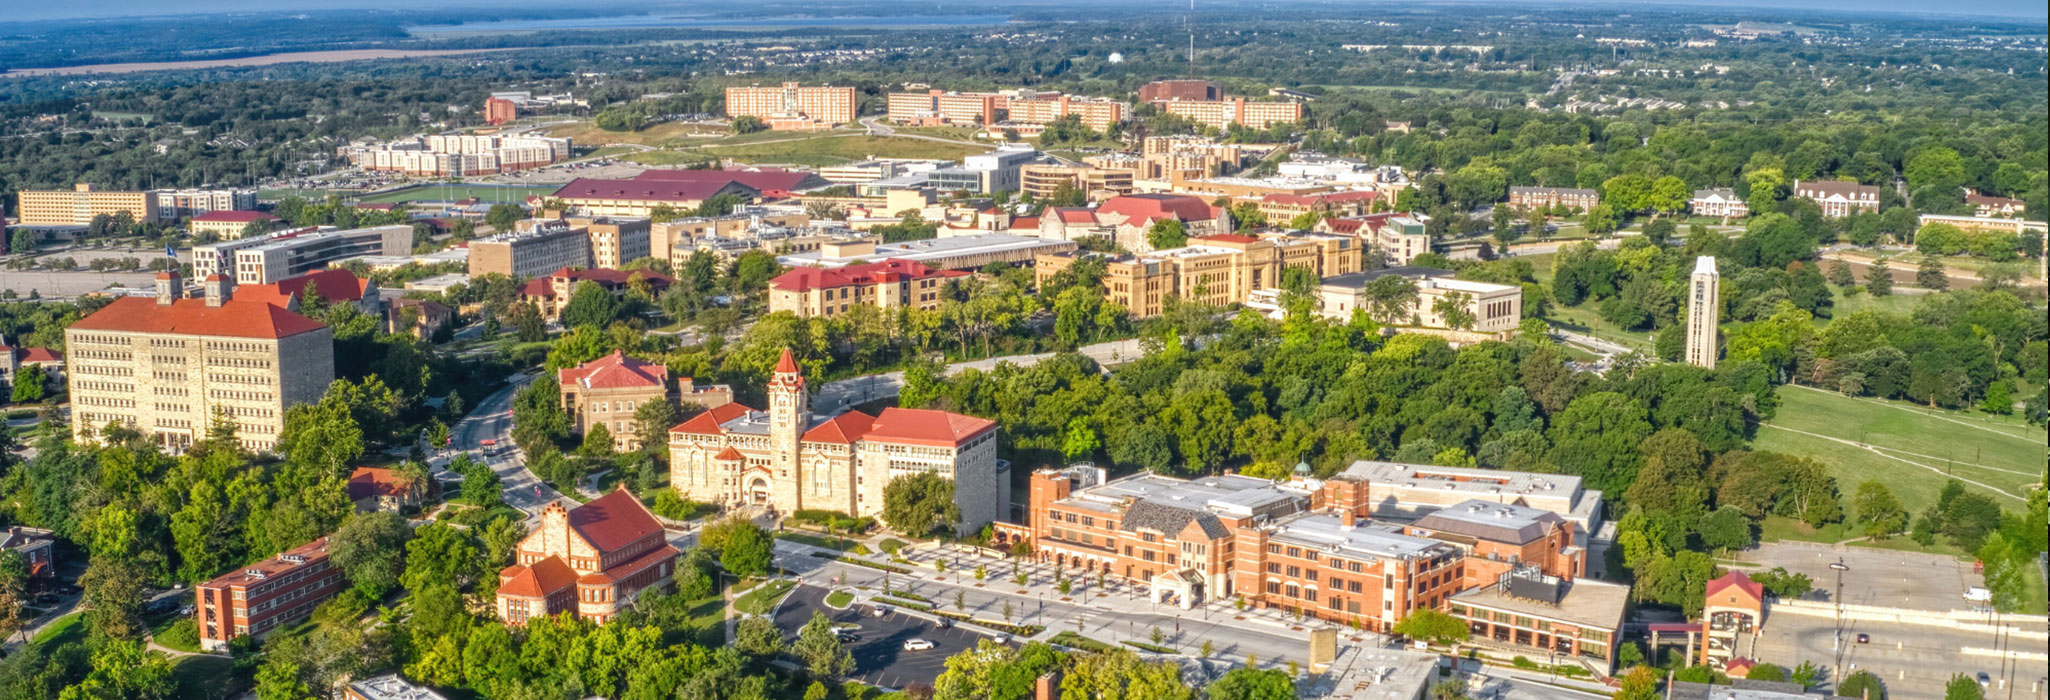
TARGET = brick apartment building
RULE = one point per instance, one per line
(1222, 113)
(589, 560)
(77, 206)
(606, 391)
(1571, 197)
(793, 107)
(1837, 198)
(1218, 269)
(1192, 90)
(269, 594)
(999, 110)
(888, 284)
(498, 110)
(553, 291)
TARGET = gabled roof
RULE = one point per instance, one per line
(1025, 222)
(239, 216)
(29, 355)
(653, 190)
(708, 423)
(804, 279)
(605, 277)
(768, 181)
(1738, 580)
(613, 520)
(1837, 188)
(927, 427)
(729, 455)
(335, 284)
(1169, 520)
(366, 482)
(1074, 215)
(615, 371)
(537, 580)
(1140, 209)
(843, 429)
(236, 318)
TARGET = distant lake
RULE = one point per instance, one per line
(667, 21)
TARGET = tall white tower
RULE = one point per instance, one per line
(1704, 309)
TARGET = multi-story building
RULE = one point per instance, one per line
(793, 107)
(1129, 218)
(265, 596)
(1722, 203)
(550, 293)
(1704, 312)
(231, 223)
(1998, 224)
(985, 173)
(590, 560)
(960, 252)
(78, 205)
(1400, 239)
(169, 366)
(1097, 113)
(37, 547)
(1222, 113)
(172, 204)
(770, 183)
(944, 107)
(456, 155)
(1042, 181)
(269, 259)
(421, 317)
(791, 459)
(1281, 208)
(640, 196)
(831, 291)
(388, 687)
(608, 390)
(1488, 308)
(615, 240)
(1838, 198)
(531, 253)
(500, 111)
(1526, 613)
(333, 285)
(1570, 197)
(1217, 270)
(1191, 90)
(1986, 206)
(1733, 608)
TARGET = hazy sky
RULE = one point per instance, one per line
(24, 11)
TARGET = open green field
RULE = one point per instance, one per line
(453, 192)
(670, 133)
(313, 195)
(124, 116)
(665, 157)
(1913, 450)
(832, 148)
(763, 598)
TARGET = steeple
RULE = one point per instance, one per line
(789, 417)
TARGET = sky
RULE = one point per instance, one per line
(77, 9)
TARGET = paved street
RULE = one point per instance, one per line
(879, 657)
(1876, 577)
(493, 420)
(1914, 660)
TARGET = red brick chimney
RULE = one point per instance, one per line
(1047, 687)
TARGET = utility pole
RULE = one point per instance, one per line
(1836, 643)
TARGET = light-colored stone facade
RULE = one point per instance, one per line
(1217, 270)
(1704, 312)
(788, 458)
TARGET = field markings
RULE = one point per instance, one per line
(1877, 451)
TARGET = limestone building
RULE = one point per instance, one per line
(168, 366)
(788, 458)
(589, 560)
(1704, 309)
(1217, 270)
(77, 206)
(831, 291)
(608, 390)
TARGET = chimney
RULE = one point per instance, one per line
(217, 288)
(1047, 686)
(169, 287)
(1346, 516)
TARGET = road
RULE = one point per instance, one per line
(1915, 661)
(879, 656)
(834, 396)
(493, 420)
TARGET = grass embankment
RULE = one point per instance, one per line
(839, 599)
(763, 598)
(1077, 641)
(1913, 449)
(667, 134)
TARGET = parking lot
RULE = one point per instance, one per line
(879, 656)
(1876, 577)
(1914, 660)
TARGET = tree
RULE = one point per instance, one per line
(113, 598)
(747, 549)
(1783, 583)
(1641, 683)
(1929, 274)
(24, 241)
(1252, 684)
(1840, 274)
(370, 550)
(1862, 685)
(13, 592)
(504, 215)
(1120, 675)
(819, 646)
(1963, 687)
(591, 305)
(1726, 529)
(28, 384)
(918, 503)
(748, 124)
(1080, 441)
(1432, 626)
(1767, 672)
(1878, 279)
(757, 635)
(1597, 438)
(1879, 511)
(1167, 233)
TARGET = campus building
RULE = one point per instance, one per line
(1704, 312)
(789, 459)
(1837, 198)
(269, 594)
(1990, 206)
(1221, 113)
(608, 390)
(37, 547)
(500, 111)
(970, 251)
(1732, 615)
(550, 293)
(77, 206)
(1487, 308)
(231, 223)
(458, 155)
(792, 106)
(172, 204)
(1579, 198)
(615, 241)
(1192, 90)
(264, 260)
(1217, 270)
(831, 291)
(535, 251)
(640, 196)
(1280, 208)
(1722, 203)
(590, 560)
(1042, 181)
(169, 366)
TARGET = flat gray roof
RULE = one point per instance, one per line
(1477, 481)
(1330, 535)
(1501, 522)
(1588, 603)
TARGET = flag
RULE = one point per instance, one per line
(170, 252)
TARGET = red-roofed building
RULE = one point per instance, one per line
(231, 223)
(1129, 217)
(335, 285)
(378, 488)
(831, 291)
(266, 595)
(639, 197)
(789, 458)
(169, 366)
(591, 560)
(770, 182)
(13, 359)
(1734, 608)
(1280, 208)
(552, 292)
(607, 391)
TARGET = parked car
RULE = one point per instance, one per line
(880, 611)
(848, 637)
(1984, 680)
(1864, 638)
(1978, 594)
(923, 645)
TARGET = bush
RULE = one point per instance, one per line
(182, 635)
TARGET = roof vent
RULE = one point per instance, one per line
(255, 573)
(292, 558)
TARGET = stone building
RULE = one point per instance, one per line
(789, 458)
(608, 390)
(1704, 312)
(550, 293)
(831, 291)
(589, 560)
(169, 366)
(1838, 198)
(1218, 270)
(1579, 198)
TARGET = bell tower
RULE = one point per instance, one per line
(789, 412)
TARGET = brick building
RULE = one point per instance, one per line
(1222, 113)
(640, 196)
(792, 106)
(1219, 269)
(607, 391)
(37, 547)
(888, 284)
(498, 110)
(1571, 197)
(1042, 181)
(269, 594)
(77, 206)
(589, 560)
(552, 292)
(789, 459)
(1837, 198)
(1721, 203)
(1193, 90)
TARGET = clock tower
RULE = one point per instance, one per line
(789, 412)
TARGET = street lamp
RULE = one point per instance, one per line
(1836, 643)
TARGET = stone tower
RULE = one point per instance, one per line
(1704, 307)
(789, 411)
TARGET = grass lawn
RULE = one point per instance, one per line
(763, 598)
(185, 638)
(1892, 303)
(69, 628)
(2038, 601)
(818, 540)
(658, 135)
(450, 192)
(1071, 639)
(302, 193)
(1586, 320)
(839, 599)
(2002, 455)
(665, 157)
(832, 148)
(203, 676)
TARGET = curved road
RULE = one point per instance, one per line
(492, 420)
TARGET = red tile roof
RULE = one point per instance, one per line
(613, 520)
(729, 455)
(1740, 581)
(843, 429)
(1025, 222)
(804, 279)
(615, 371)
(1307, 199)
(234, 216)
(1075, 215)
(366, 482)
(39, 355)
(538, 580)
(786, 363)
(604, 276)
(926, 427)
(334, 285)
(709, 422)
(775, 183)
(1228, 238)
(237, 318)
(1141, 209)
(653, 189)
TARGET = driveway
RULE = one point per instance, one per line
(880, 658)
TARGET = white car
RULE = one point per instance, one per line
(917, 645)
